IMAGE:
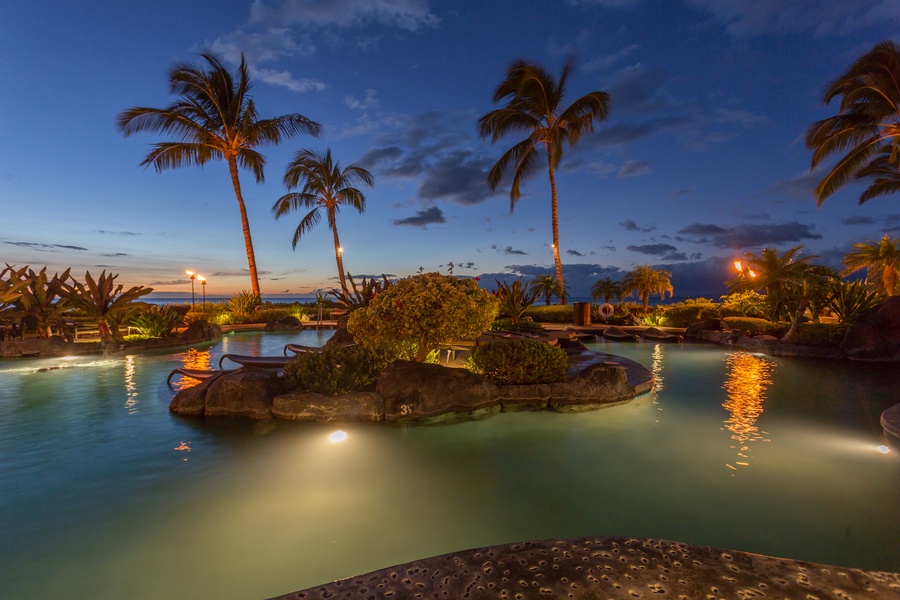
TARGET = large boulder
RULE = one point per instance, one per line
(200, 331)
(425, 392)
(597, 385)
(245, 393)
(876, 334)
(515, 398)
(288, 323)
(709, 325)
(354, 406)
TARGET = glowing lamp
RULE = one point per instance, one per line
(337, 436)
(737, 265)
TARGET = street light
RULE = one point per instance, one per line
(193, 276)
(203, 287)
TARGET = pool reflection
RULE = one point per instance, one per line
(195, 359)
(746, 382)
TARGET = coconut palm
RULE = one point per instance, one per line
(326, 187)
(880, 259)
(866, 129)
(646, 281)
(214, 117)
(546, 286)
(607, 289)
(778, 275)
(534, 106)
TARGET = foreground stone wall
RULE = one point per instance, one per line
(614, 568)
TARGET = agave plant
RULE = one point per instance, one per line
(515, 298)
(850, 299)
(244, 303)
(157, 321)
(104, 302)
(362, 295)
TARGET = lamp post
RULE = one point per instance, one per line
(203, 287)
(193, 276)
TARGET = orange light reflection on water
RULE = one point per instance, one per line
(198, 360)
(746, 382)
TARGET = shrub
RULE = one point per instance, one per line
(687, 313)
(515, 298)
(820, 334)
(519, 362)
(743, 304)
(507, 326)
(555, 313)
(425, 310)
(335, 370)
(267, 315)
(754, 326)
(243, 303)
(849, 300)
(158, 321)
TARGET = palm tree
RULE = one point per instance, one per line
(880, 259)
(645, 280)
(777, 274)
(535, 107)
(546, 286)
(104, 302)
(606, 289)
(326, 187)
(214, 117)
(867, 128)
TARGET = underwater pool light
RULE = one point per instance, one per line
(883, 449)
(337, 436)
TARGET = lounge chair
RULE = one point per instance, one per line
(260, 362)
(200, 374)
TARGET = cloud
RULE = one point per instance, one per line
(574, 253)
(423, 218)
(459, 177)
(748, 236)
(115, 254)
(38, 246)
(106, 232)
(652, 249)
(630, 225)
(858, 220)
(638, 88)
(608, 60)
(634, 168)
(405, 14)
(508, 250)
(366, 103)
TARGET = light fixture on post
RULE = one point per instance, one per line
(193, 276)
(203, 287)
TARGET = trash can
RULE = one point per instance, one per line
(582, 313)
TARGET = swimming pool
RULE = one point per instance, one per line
(101, 497)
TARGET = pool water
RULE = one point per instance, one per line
(104, 494)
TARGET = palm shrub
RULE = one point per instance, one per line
(105, 303)
(334, 370)
(243, 304)
(850, 299)
(41, 302)
(515, 298)
(158, 321)
(514, 362)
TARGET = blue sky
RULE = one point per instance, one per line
(701, 159)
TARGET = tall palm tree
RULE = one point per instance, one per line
(779, 275)
(880, 259)
(214, 117)
(867, 128)
(534, 106)
(645, 280)
(546, 286)
(326, 187)
(606, 289)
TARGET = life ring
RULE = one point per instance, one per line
(606, 310)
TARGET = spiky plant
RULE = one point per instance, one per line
(515, 298)
(104, 302)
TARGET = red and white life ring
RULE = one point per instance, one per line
(606, 310)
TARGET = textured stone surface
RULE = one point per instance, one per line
(515, 398)
(595, 386)
(890, 423)
(356, 406)
(692, 330)
(609, 568)
(288, 323)
(245, 393)
(419, 391)
(876, 334)
(200, 331)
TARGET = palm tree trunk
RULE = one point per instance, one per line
(340, 261)
(890, 280)
(245, 225)
(795, 324)
(555, 225)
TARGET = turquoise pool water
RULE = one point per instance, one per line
(102, 499)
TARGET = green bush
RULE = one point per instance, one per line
(754, 326)
(555, 313)
(507, 326)
(158, 321)
(743, 304)
(686, 313)
(820, 334)
(244, 303)
(520, 362)
(336, 370)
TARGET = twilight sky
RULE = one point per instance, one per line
(701, 160)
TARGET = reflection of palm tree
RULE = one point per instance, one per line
(326, 187)
(606, 289)
(880, 259)
(867, 128)
(646, 281)
(213, 118)
(546, 286)
(535, 107)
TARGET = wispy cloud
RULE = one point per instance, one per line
(748, 236)
(429, 216)
(630, 225)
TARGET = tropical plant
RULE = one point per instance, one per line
(606, 289)
(515, 298)
(360, 296)
(779, 275)
(214, 117)
(745, 304)
(423, 311)
(850, 299)
(41, 300)
(546, 286)
(866, 129)
(244, 303)
(556, 313)
(813, 291)
(12, 282)
(880, 260)
(516, 362)
(335, 370)
(326, 187)
(157, 321)
(104, 302)
(534, 106)
(507, 326)
(646, 281)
